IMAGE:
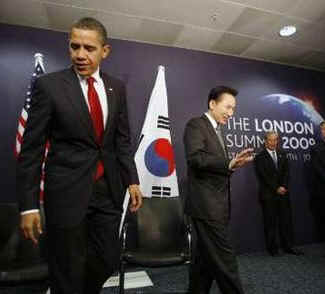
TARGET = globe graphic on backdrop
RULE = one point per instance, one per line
(159, 158)
(291, 108)
(298, 121)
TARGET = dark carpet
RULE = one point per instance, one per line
(260, 274)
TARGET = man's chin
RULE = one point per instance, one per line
(82, 71)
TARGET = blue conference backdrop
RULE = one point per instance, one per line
(271, 96)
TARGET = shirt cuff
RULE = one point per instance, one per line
(229, 168)
(29, 211)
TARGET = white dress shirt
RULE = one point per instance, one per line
(101, 91)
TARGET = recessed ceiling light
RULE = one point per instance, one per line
(287, 31)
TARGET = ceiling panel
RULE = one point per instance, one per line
(254, 22)
(33, 14)
(314, 59)
(270, 5)
(275, 51)
(197, 38)
(61, 17)
(77, 3)
(233, 44)
(209, 13)
(63, 2)
(158, 32)
(311, 36)
(120, 26)
(310, 10)
(272, 32)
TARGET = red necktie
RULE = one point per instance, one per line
(97, 118)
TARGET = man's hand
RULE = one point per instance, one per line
(31, 226)
(242, 158)
(282, 190)
(136, 198)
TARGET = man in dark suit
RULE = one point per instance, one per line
(208, 199)
(83, 113)
(272, 170)
(318, 182)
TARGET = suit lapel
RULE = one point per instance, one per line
(280, 158)
(75, 95)
(213, 135)
(269, 159)
(111, 103)
(224, 141)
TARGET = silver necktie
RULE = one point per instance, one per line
(274, 158)
(218, 131)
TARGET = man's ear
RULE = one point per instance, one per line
(212, 104)
(107, 50)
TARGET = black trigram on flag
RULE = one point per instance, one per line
(160, 191)
(163, 122)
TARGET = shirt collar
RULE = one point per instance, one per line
(270, 151)
(212, 120)
(95, 75)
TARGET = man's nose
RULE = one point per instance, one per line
(81, 53)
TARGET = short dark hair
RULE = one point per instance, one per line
(322, 124)
(216, 92)
(89, 23)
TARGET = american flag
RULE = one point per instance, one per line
(38, 71)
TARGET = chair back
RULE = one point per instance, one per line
(160, 225)
(20, 261)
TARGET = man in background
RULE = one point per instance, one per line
(272, 170)
(83, 113)
(318, 182)
(208, 198)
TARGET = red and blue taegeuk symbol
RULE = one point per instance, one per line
(159, 158)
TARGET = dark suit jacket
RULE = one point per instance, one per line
(318, 168)
(59, 112)
(208, 173)
(270, 177)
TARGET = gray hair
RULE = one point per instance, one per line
(270, 133)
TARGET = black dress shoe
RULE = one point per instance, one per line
(293, 251)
